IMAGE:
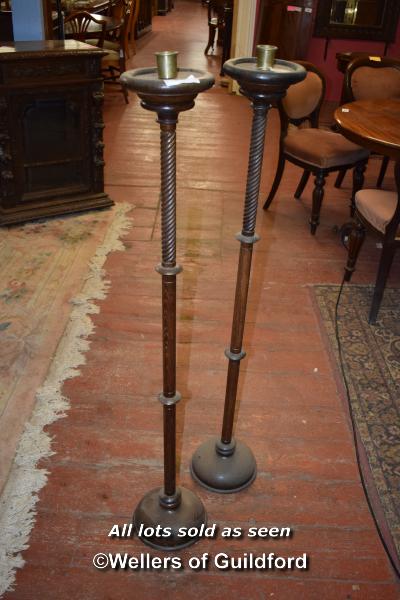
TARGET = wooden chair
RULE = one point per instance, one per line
(371, 78)
(216, 22)
(114, 63)
(116, 10)
(317, 151)
(379, 211)
(84, 27)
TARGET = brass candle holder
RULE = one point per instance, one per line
(265, 56)
(167, 64)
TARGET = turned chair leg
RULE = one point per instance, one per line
(212, 30)
(358, 182)
(340, 176)
(355, 241)
(318, 195)
(277, 180)
(383, 271)
(382, 172)
(303, 182)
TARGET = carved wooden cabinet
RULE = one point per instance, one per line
(51, 130)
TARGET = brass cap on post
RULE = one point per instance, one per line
(167, 64)
(265, 56)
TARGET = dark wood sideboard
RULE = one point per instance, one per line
(51, 129)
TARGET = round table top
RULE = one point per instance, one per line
(373, 124)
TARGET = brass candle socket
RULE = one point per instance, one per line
(167, 64)
(265, 56)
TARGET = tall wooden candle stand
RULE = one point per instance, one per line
(169, 507)
(224, 464)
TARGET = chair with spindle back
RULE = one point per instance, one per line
(84, 26)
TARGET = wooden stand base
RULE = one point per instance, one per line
(223, 468)
(151, 513)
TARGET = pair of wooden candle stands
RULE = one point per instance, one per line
(221, 464)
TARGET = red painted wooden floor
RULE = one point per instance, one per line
(109, 448)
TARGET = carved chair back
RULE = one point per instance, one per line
(83, 25)
(303, 100)
(372, 78)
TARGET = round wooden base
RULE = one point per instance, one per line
(221, 473)
(151, 515)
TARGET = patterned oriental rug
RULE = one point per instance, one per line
(50, 275)
(43, 266)
(371, 357)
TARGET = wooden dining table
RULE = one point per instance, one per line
(373, 124)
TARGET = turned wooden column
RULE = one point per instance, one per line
(170, 507)
(224, 464)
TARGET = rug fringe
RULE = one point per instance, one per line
(20, 495)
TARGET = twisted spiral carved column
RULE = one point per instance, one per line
(254, 168)
(168, 193)
(247, 238)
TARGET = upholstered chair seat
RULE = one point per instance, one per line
(322, 148)
(379, 210)
(376, 207)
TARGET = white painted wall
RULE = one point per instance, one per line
(28, 21)
(244, 18)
